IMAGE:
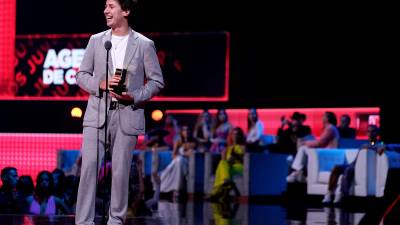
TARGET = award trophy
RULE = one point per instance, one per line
(121, 87)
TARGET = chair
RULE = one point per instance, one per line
(351, 143)
(365, 173)
(321, 162)
(267, 139)
(388, 160)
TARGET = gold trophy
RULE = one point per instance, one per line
(121, 87)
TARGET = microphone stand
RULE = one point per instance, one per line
(107, 47)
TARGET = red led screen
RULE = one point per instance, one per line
(195, 66)
(7, 37)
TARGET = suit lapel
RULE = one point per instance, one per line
(130, 48)
(107, 37)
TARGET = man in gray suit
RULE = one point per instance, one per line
(135, 53)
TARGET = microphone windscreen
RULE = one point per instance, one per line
(107, 45)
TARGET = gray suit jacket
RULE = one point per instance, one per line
(141, 63)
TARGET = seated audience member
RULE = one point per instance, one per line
(25, 186)
(59, 182)
(348, 170)
(202, 131)
(231, 164)
(11, 201)
(43, 202)
(344, 128)
(328, 139)
(303, 132)
(330, 135)
(174, 176)
(290, 134)
(171, 126)
(71, 191)
(220, 132)
(155, 140)
(255, 130)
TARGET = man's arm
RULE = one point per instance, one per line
(155, 81)
(326, 136)
(85, 77)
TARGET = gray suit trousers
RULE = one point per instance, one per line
(121, 146)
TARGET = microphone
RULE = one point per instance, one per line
(107, 45)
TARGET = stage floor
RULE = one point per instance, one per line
(205, 213)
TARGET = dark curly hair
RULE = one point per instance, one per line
(42, 191)
(127, 4)
(331, 118)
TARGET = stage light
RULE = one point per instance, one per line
(157, 115)
(76, 112)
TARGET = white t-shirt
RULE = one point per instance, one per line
(118, 50)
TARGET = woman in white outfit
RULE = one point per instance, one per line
(173, 177)
(255, 130)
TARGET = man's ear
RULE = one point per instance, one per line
(126, 13)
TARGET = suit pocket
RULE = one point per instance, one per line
(132, 120)
(92, 109)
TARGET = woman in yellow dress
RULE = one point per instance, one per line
(231, 165)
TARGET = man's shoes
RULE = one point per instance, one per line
(296, 176)
(327, 198)
(338, 198)
(292, 177)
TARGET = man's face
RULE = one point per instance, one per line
(344, 121)
(372, 133)
(12, 178)
(235, 136)
(45, 181)
(296, 122)
(185, 131)
(252, 115)
(114, 14)
(221, 116)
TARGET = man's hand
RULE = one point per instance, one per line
(111, 83)
(124, 97)
(380, 150)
